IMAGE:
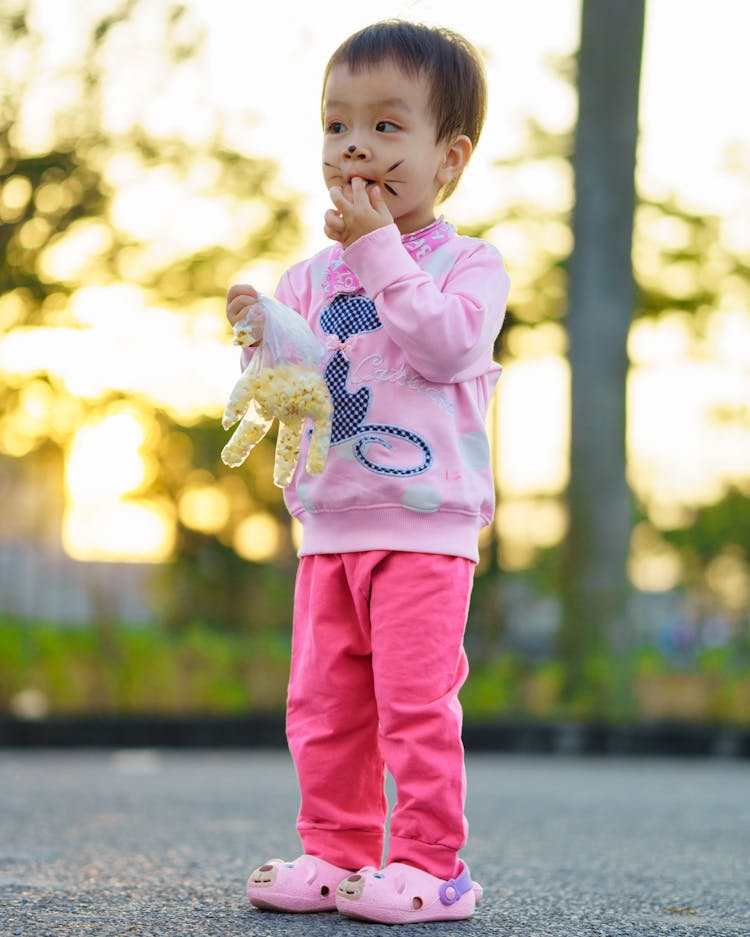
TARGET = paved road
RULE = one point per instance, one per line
(150, 843)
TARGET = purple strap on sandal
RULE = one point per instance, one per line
(451, 891)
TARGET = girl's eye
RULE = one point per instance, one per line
(336, 126)
(386, 126)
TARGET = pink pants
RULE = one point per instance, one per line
(377, 662)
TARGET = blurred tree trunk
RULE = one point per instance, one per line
(601, 297)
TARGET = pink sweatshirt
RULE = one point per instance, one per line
(410, 323)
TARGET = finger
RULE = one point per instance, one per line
(334, 220)
(333, 233)
(238, 305)
(239, 308)
(241, 289)
(359, 193)
(378, 202)
(234, 313)
(339, 199)
(236, 316)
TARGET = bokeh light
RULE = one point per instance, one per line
(204, 507)
(258, 537)
(105, 467)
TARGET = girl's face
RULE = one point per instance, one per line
(377, 125)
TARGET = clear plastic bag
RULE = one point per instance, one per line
(282, 381)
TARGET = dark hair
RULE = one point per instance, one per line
(451, 64)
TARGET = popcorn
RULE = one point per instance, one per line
(282, 381)
(292, 393)
(248, 332)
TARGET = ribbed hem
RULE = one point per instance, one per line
(348, 849)
(354, 531)
(434, 858)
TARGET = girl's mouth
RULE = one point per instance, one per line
(369, 182)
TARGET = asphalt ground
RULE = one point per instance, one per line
(148, 842)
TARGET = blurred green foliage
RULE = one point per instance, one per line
(151, 670)
(146, 669)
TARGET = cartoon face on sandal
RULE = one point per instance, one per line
(400, 894)
(264, 876)
(306, 884)
(352, 887)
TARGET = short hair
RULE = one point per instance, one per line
(451, 64)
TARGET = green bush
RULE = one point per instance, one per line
(153, 670)
(142, 670)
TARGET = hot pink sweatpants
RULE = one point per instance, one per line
(377, 662)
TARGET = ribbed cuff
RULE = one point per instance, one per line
(379, 259)
(348, 849)
(434, 858)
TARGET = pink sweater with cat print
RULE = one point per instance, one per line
(410, 323)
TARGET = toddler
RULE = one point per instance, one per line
(409, 311)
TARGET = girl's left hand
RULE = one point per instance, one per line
(366, 211)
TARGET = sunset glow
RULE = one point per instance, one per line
(105, 466)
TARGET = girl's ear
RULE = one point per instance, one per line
(454, 161)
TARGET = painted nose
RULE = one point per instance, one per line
(355, 152)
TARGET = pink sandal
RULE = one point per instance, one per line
(402, 894)
(305, 885)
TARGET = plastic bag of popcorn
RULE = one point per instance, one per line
(282, 381)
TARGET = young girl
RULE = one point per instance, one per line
(410, 311)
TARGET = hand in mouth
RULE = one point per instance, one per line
(368, 182)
